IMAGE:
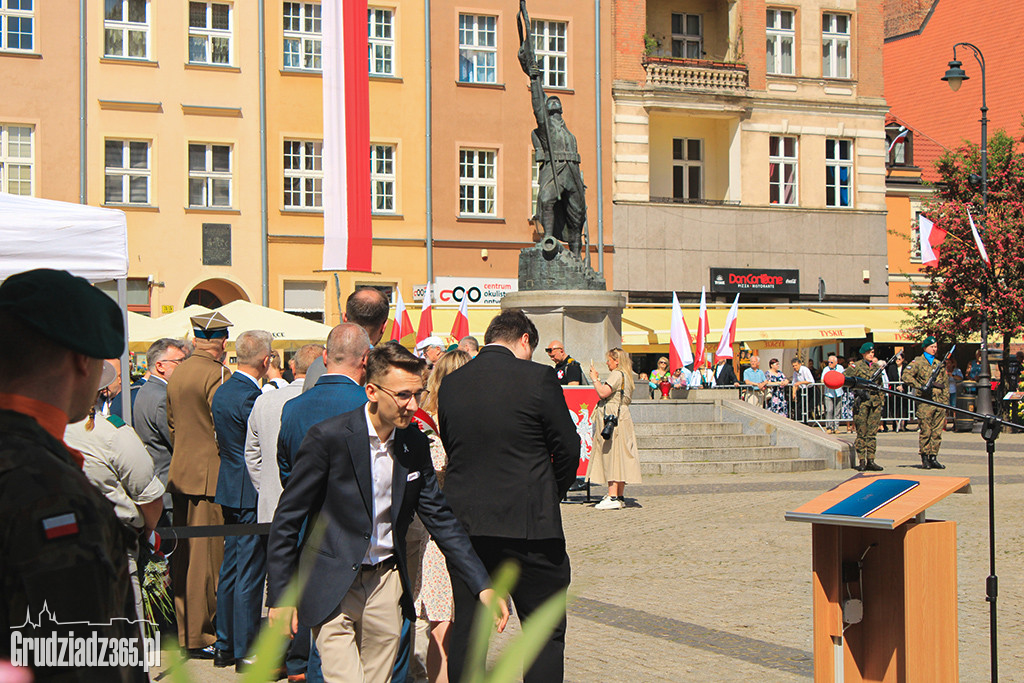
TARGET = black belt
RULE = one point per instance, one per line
(383, 564)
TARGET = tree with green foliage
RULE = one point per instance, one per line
(962, 288)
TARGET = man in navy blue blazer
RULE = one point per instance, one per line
(240, 586)
(337, 391)
(360, 477)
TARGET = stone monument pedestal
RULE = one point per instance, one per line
(588, 322)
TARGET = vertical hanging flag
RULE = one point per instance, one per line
(426, 324)
(348, 239)
(403, 325)
(702, 332)
(728, 333)
(897, 140)
(679, 353)
(930, 237)
(977, 238)
(460, 328)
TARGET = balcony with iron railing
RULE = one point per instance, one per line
(697, 75)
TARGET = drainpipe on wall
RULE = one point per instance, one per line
(600, 154)
(429, 149)
(82, 116)
(264, 228)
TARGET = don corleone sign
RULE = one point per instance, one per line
(755, 280)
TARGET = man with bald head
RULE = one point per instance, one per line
(366, 307)
(338, 391)
(567, 368)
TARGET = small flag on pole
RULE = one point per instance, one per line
(403, 325)
(426, 324)
(977, 238)
(728, 333)
(896, 140)
(461, 326)
(931, 237)
(679, 352)
(702, 332)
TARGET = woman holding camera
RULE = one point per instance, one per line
(614, 458)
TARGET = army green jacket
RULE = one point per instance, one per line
(864, 370)
(62, 547)
(918, 372)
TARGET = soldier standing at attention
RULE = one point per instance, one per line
(61, 545)
(930, 419)
(867, 410)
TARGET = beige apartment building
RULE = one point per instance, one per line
(749, 149)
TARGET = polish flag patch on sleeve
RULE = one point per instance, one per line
(60, 525)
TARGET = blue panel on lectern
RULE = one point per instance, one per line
(871, 497)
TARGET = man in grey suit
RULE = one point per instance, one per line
(149, 412)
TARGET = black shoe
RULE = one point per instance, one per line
(936, 465)
(223, 659)
(242, 665)
(859, 467)
(873, 466)
(926, 464)
(208, 652)
(579, 485)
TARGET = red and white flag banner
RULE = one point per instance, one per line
(679, 352)
(728, 332)
(977, 238)
(402, 325)
(702, 331)
(460, 328)
(425, 328)
(348, 239)
(931, 237)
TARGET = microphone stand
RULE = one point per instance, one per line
(990, 428)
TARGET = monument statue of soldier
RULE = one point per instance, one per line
(561, 200)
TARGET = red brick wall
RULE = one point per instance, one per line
(870, 34)
(752, 22)
(629, 26)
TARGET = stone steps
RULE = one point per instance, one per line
(733, 467)
(719, 454)
(674, 443)
(687, 428)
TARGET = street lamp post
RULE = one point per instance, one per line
(955, 76)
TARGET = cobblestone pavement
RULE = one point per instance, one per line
(701, 578)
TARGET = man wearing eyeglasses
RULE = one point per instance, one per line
(568, 369)
(149, 412)
(360, 477)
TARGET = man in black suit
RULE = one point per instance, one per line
(512, 454)
(240, 586)
(360, 476)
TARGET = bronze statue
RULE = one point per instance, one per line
(561, 201)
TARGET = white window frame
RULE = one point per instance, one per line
(126, 28)
(127, 173)
(308, 155)
(784, 162)
(777, 38)
(478, 48)
(7, 13)
(306, 289)
(307, 38)
(208, 34)
(383, 178)
(209, 176)
(835, 162)
(835, 45)
(551, 45)
(478, 182)
(381, 42)
(685, 39)
(7, 160)
(686, 164)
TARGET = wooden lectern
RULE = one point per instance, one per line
(902, 570)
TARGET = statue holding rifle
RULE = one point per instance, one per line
(561, 200)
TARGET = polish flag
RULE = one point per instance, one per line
(348, 240)
(931, 237)
(977, 239)
(426, 324)
(460, 328)
(60, 525)
(728, 333)
(702, 332)
(402, 325)
(896, 140)
(679, 351)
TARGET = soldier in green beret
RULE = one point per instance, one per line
(867, 410)
(930, 419)
(63, 552)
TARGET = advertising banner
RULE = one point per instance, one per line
(754, 281)
(479, 291)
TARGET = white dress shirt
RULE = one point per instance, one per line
(382, 467)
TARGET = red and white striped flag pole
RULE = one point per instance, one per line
(679, 352)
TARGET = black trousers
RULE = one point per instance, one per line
(544, 570)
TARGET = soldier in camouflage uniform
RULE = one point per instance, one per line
(930, 419)
(61, 546)
(867, 410)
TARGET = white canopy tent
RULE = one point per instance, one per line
(84, 240)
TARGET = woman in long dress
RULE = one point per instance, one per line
(435, 602)
(614, 461)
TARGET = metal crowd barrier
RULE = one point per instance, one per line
(810, 404)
